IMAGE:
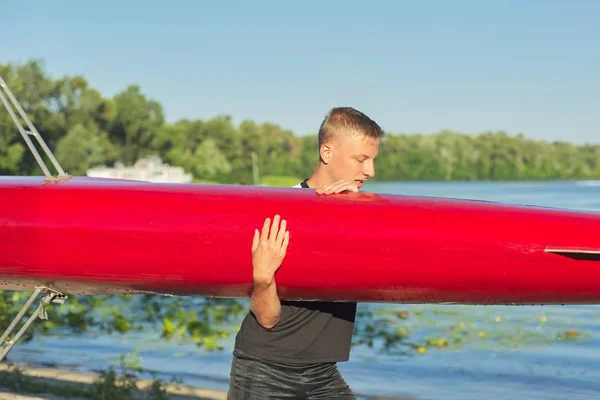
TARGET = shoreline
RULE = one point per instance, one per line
(63, 385)
(61, 378)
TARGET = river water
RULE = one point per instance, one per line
(549, 352)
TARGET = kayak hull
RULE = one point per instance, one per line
(108, 236)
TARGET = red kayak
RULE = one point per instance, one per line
(103, 236)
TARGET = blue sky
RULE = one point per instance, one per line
(528, 66)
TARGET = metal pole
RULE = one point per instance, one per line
(38, 312)
(24, 309)
(32, 131)
(24, 133)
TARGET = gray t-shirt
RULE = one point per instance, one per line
(308, 332)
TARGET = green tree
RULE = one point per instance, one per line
(83, 148)
(136, 124)
(209, 160)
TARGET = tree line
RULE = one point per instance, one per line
(85, 129)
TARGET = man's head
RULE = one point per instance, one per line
(348, 145)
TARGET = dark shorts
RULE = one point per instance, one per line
(252, 378)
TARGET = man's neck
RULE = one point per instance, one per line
(318, 178)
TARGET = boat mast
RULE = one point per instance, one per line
(31, 132)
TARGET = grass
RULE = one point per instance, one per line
(267, 180)
(279, 181)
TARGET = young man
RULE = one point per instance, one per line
(289, 349)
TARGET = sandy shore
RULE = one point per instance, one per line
(55, 376)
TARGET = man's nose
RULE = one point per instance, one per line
(369, 169)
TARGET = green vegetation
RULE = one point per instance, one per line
(111, 384)
(202, 321)
(279, 181)
(400, 332)
(85, 129)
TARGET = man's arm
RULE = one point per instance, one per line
(265, 304)
(268, 251)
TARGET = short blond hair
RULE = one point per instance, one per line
(348, 120)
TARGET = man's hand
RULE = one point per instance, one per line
(338, 187)
(268, 250)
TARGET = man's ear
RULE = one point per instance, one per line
(325, 153)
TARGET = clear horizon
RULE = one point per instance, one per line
(519, 67)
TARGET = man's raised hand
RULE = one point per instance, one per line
(269, 248)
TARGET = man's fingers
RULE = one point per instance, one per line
(281, 232)
(265, 229)
(326, 189)
(350, 186)
(322, 189)
(338, 187)
(271, 231)
(286, 241)
(255, 240)
(274, 229)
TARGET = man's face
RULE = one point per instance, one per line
(351, 157)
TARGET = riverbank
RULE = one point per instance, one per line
(47, 383)
(29, 383)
